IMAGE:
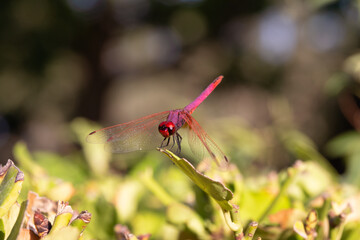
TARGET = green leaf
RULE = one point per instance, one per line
(291, 173)
(26, 161)
(81, 221)
(351, 231)
(337, 83)
(126, 199)
(345, 144)
(148, 222)
(183, 215)
(215, 189)
(10, 187)
(63, 217)
(304, 148)
(147, 179)
(352, 170)
(95, 154)
(311, 223)
(68, 233)
(10, 218)
(299, 228)
(2, 230)
(255, 202)
(315, 179)
(17, 226)
(103, 220)
(66, 168)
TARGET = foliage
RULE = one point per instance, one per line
(37, 217)
(176, 201)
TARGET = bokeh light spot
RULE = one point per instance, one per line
(141, 48)
(325, 31)
(277, 37)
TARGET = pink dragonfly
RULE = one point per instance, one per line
(157, 130)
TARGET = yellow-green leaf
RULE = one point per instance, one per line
(215, 189)
(10, 186)
(299, 228)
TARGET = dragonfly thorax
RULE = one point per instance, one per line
(167, 128)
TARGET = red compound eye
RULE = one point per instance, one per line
(167, 128)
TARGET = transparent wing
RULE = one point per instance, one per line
(140, 134)
(200, 143)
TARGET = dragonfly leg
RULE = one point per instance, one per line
(178, 141)
(165, 145)
(162, 143)
(173, 142)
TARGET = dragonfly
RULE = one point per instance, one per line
(162, 130)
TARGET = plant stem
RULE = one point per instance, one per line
(250, 231)
(336, 233)
(155, 188)
(232, 225)
(235, 216)
(291, 174)
(323, 230)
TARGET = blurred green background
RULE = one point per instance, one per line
(118, 60)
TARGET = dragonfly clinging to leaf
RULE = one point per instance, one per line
(161, 130)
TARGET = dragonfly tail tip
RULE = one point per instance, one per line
(218, 79)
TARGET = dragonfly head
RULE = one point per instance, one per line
(167, 128)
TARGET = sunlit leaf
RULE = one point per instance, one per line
(26, 161)
(299, 228)
(215, 189)
(66, 168)
(311, 223)
(10, 186)
(68, 233)
(126, 199)
(148, 222)
(304, 148)
(103, 218)
(63, 216)
(183, 215)
(16, 230)
(2, 229)
(81, 221)
(10, 218)
(314, 180)
(95, 154)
